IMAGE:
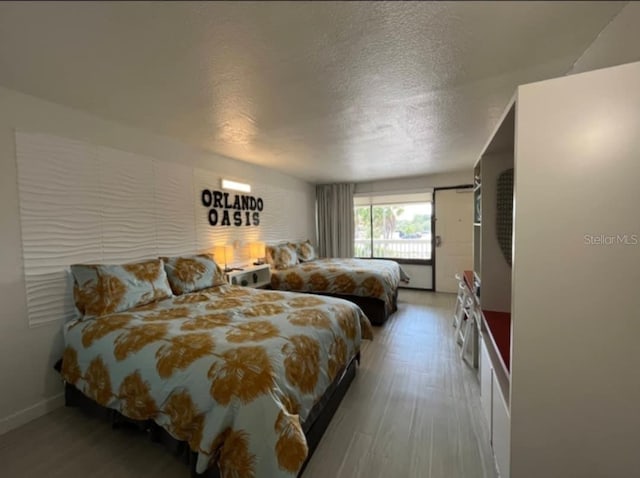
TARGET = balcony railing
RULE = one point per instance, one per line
(394, 248)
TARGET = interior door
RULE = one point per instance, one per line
(453, 236)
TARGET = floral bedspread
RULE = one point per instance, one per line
(362, 277)
(231, 370)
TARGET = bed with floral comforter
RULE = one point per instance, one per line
(377, 278)
(232, 371)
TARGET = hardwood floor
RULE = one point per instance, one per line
(413, 410)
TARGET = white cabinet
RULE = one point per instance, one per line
(486, 377)
(494, 273)
(567, 404)
(500, 430)
(495, 409)
(257, 276)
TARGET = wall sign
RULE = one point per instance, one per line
(237, 210)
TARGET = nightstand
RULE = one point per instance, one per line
(258, 277)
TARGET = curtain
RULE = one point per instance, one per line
(334, 213)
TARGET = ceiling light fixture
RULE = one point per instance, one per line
(236, 186)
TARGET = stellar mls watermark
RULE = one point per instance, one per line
(611, 239)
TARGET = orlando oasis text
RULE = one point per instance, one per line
(237, 210)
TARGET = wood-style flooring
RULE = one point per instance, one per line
(413, 410)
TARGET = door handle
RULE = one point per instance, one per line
(438, 241)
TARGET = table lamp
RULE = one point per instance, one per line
(224, 254)
(257, 251)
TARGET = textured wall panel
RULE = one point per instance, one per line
(207, 237)
(128, 206)
(83, 203)
(174, 214)
(60, 216)
(282, 208)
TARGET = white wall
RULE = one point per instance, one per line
(29, 385)
(417, 183)
(617, 43)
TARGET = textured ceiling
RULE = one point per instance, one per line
(323, 91)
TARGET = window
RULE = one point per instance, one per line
(393, 226)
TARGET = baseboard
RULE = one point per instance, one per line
(31, 413)
(415, 288)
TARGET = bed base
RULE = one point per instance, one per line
(373, 308)
(313, 428)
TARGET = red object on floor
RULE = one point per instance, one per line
(499, 326)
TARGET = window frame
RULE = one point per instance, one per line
(399, 260)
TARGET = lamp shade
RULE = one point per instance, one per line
(223, 254)
(257, 250)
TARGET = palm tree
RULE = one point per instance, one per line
(384, 220)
